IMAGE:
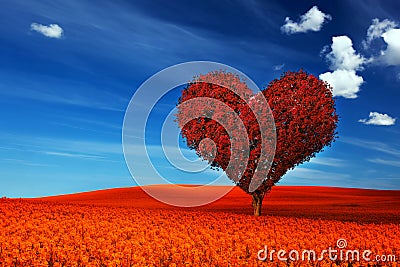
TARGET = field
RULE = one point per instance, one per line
(125, 227)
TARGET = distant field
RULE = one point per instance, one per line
(344, 204)
(126, 227)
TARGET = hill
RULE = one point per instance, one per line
(343, 204)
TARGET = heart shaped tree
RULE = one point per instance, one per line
(304, 121)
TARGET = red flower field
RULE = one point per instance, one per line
(125, 227)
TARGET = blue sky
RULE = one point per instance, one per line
(69, 69)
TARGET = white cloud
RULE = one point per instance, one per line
(390, 33)
(345, 83)
(391, 56)
(311, 21)
(376, 118)
(376, 30)
(51, 31)
(344, 62)
(343, 55)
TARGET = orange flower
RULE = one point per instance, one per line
(37, 233)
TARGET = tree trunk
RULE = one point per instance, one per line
(258, 197)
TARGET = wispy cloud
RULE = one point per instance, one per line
(376, 118)
(27, 163)
(394, 163)
(51, 31)
(101, 149)
(376, 29)
(373, 145)
(72, 155)
(62, 146)
(310, 21)
(98, 100)
(312, 174)
(389, 31)
(279, 67)
(101, 125)
(331, 162)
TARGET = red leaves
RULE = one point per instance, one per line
(305, 119)
(302, 107)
